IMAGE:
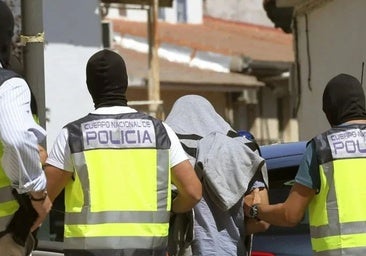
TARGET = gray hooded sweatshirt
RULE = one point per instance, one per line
(227, 169)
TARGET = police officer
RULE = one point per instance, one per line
(331, 179)
(19, 134)
(117, 166)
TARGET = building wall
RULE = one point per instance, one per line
(336, 35)
(189, 10)
(240, 114)
(249, 11)
(267, 120)
(72, 22)
(72, 34)
(67, 51)
(217, 99)
(192, 12)
(260, 119)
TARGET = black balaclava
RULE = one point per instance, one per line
(6, 33)
(343, 100)
(106, 78)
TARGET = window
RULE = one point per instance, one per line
(181, 11)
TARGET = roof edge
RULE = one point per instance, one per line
(305, 7)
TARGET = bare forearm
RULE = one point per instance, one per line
(253, 226)
(56, 180)
(287, 214)
(188, 185)
(277, 215)
(183, 204)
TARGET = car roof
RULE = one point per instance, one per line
(283, 154)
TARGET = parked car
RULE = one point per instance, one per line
(282, 163)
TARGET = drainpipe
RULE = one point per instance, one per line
(154, 75)
(32, 38)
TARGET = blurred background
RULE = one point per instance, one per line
(262, 63)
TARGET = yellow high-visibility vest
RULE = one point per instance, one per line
(120, 197)
(8, 204)
(337, 214)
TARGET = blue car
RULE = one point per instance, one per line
(282, 163)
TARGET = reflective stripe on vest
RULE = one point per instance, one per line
(337, 216)
(8, 205)
(120, 197)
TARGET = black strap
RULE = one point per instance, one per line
(251, 144)
(232, 134)
(190, 151)
(6, 74)
(189, 136)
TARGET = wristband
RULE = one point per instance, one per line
(253, 212)
(39, 199)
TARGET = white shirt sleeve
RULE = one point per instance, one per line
(20, 135)
(60, 155)
(177, 153)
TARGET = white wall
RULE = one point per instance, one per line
(73, 34)
(194, 12)
(249, 11)
(337, 43)
(135, 14)
(67, 97)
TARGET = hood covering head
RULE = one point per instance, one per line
(107, 79)
(6, 33)
(343, 100)
(193, 114)
(219, 160)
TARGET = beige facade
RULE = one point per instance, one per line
(269, 118)
(330, 38)
(258, 103)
